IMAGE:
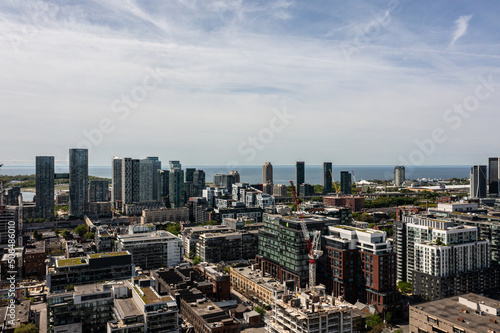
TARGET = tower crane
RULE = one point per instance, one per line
(355, 182)
(337, 190)
(313, 246)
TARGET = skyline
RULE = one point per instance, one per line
(279, 81)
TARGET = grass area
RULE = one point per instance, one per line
(108, 254)
(70, 262)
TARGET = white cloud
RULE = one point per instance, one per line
(461, 25)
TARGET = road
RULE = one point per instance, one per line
(42, 309)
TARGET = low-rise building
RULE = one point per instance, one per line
(354, 202)
(311, 312)
(251, 281)
(191, 236)
(458, 314)
(165, 215)
(34, 261)
(152, 250)
(93, 268)
(231, 246)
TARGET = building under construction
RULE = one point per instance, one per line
(313, 311)
(283, 253)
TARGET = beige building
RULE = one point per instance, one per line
(250, 281)
(165, 215)
(467, 313)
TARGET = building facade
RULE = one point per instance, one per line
(399, 175)
(267, 173)
(493, 175)
(478, 181)
(78, 181)
(152, 250)
(300, 175)
(327, 177)
(345, 182)
(44, 198)
(98, 191)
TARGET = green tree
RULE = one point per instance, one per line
(37, 236)
(196, 260)
(81, 230)
(66, 234)
(260, 310)
(373, 320)
(405, 287)
(371, 225)
(26, 328)
(89, 235)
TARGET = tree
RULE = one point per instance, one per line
(405, 287)
(66, 234)
(373, 320)
(26, 328)
(37, 236)
(81, 230)
(196, 260)
(89, 235)
(260, 310)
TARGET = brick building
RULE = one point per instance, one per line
(360, 265)
(355, 203)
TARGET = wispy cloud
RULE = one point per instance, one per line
(461, 26)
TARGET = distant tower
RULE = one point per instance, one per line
(399, 175)
(327, 177)
(148, 178)
(267, 174)
(45, 187)
(116, 174)
(236, 175)
(163, 186)
(130, 180)
(78, 181)
(478, 181)
(199, 182)
(300, 175)
(345, 182)
(190, 174)
(176, 191)
(494, 165)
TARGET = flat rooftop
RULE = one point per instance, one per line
(127, 308)
(108, 254)
(71, 262)
(151, 297)
(450, 309)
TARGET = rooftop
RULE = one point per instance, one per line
(71, 262)
(458, 314)
(108, 254)
(149, 296)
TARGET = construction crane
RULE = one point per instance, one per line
(313, 246)
(337, 190)
(355, 182)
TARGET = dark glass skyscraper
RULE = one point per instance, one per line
(327, 177)
(478, 181)
(176, 192)
(130, 180)
(116, 193)
(45, 187)
(199, 182)
(493, 163)
(300, 175)
(148, 179)
(345, 182)
(78, 181)
(190, 174)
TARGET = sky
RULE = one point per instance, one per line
(244, 82)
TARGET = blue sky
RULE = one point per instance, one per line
(244, 82)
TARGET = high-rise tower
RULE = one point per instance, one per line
(45, 187)
(78, 181)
